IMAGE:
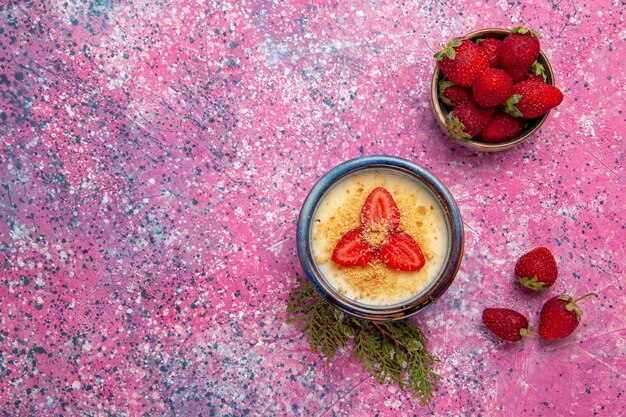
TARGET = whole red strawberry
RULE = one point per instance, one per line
(560, 316)
(493, 87)
(452, 95)
(501, 127)
(461, 61)
(532, 98)
(537, 269)
(468, 119)
(490, 47)
(505, 323)
(518, 51)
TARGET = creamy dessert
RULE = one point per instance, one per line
(379, 237)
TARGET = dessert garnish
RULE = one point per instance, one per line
(393, 351)
(378, 237)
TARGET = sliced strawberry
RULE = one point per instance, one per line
(353, 250)
(400, 251)
(380, 211)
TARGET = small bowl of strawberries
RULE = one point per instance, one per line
(493, 88)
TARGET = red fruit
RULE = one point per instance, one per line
(461, 61)
(468, 119)
(518, 52)
(536, 269)
(493, 87)
(380, 212)
(505, 323)
(500, 128)
(560, 316)
(532, 98)
(353, 250)
(490, 47)
(400, 251)
(452, 95)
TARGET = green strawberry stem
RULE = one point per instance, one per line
(448, 50)
(572, 303)
(526, 332)
(524, 30)
(585, 296)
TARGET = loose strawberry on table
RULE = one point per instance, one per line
(537, 269)
(560, 316)
(506, 323)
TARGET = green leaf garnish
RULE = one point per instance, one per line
(392, 351)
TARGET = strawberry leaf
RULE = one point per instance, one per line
(539, 69)
(442, 87)
(532, 283)
(456, 128)
(524, 30)
(510, 106)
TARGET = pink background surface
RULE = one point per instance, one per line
(153, 161)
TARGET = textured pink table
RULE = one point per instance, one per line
(153, 161)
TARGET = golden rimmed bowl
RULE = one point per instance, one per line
(441, 111)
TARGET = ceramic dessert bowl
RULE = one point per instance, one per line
(428, 212)
(441, 111)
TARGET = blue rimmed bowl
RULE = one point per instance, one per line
(452, 219)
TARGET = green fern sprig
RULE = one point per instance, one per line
(394, 351)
